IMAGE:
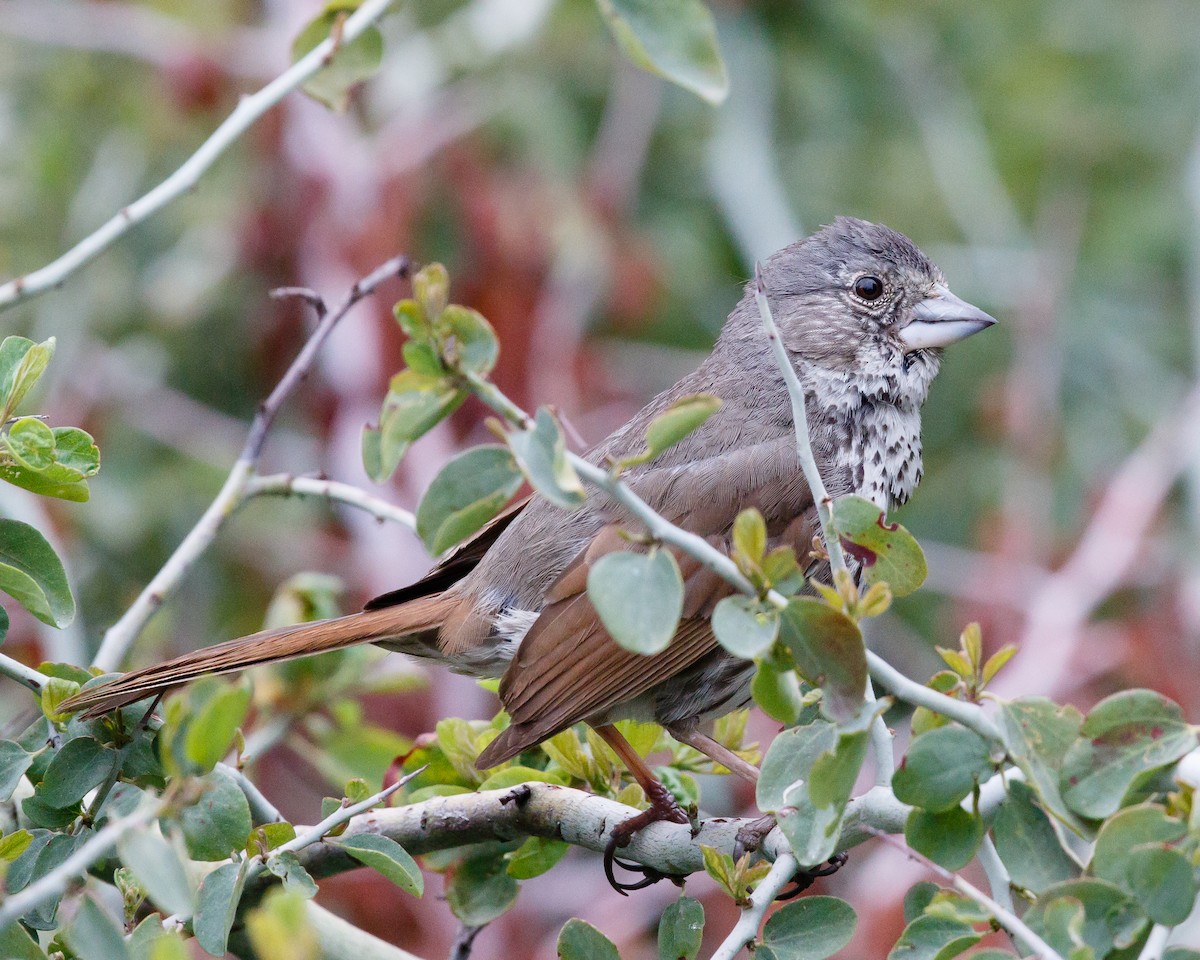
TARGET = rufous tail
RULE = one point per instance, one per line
(269, 646)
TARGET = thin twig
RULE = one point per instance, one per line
(1156, 943)
(464, 941)
(248, 110)
(58, 879)
(999, 881)
(26, 676)
(808, 462)
(233, 493)
(1006, 918)
(261, 809)
(968, 714)
(286, 485)
(746, 928)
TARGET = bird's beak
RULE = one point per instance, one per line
(942, 319)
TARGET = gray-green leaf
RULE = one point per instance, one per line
(385, 856)
(467, 492)
(675, 39)
(639, 597)
(32, 574)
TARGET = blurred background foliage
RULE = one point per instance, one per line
(1044, 152)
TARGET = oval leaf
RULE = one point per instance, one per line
(933, 938)
(639, 597)
(942, 767)
(22, 362)
(680, 930)
(887, 552)
(470, 342)
(218, 822)
(581, 941)
(216, 906)
(810, 929)
(467, 492)
(829, 652)
(154, 862)
(675, 39)
(673, 424)
(1124, 736)
(385, 856)
(949, 838)
(32, 443)
(14, 761)
(744, 627)
(32, 574)
(542, 456)
(81, 765)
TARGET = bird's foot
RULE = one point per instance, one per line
(662, 807)
(750, 838)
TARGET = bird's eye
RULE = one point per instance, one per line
(868, 288)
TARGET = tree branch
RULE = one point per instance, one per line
(288, 485)
(248, 110)
(26, 676)
(235, 490)
(1006, 918)
(746, 928)
(58, 879)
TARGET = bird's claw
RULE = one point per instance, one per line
(662, 807)
(804, 878)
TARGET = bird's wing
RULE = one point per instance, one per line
(568, 668)
(456, 564)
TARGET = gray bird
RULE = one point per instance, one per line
(864, 316)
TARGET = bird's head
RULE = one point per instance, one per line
(858, 297)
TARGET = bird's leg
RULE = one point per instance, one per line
(716, 752)
(750, 837)
(662, 807)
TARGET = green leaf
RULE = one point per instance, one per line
(745, 627)
(480, 889)
(304, 597)
(1124, 735)
(469, 342)
(790, 760)
(351, 64)
(414, 405)
(14, 761)
(1028, 844)
(22, 362)
(542, 456)
(216, 906)
(1132, 827)
(675, 39)
(219, 820)
(54, 692)
(810, 929)
(467, 492)
(942, 767)
(92, 935)
(950, 838)
(639, 597)
(1181, 953)
(279, 929)
(431, 287)
(12, 845)
(581, 941)
(296, 879)
(219, 710)
(934, 938)
(16, 944)
(515, 775)
(888, 553)
(153, 861)
(1037, 734)
(387, 857)
(673, 424)
(777, 692)
(680, 930)
(1111, 918)
(32, 443)
(32, 574)
(829, 653)
(1163, 881)
(534, 857)
(81, 765)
